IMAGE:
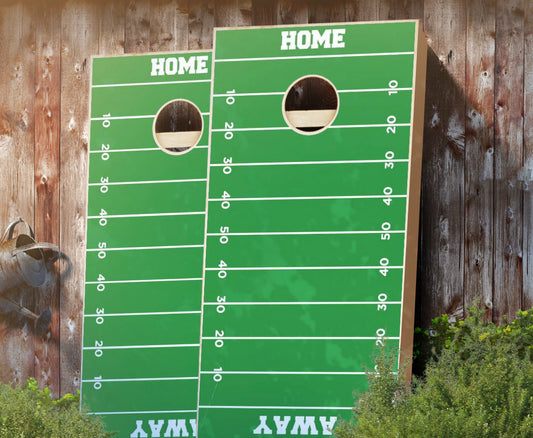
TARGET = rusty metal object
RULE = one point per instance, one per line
(23, 264)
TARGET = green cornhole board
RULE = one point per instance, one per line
(145, 240)
(312, 221)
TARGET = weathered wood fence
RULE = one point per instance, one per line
(476, 227)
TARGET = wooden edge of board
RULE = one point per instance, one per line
(338, 23)
(413, 203)
(310, 118)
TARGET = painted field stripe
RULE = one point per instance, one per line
(120, 216)
(296, 338)
(133, 347)
(142, 412)
(289, 373)
(301, 268)
(143, 280)
(281, 93)
(284, 128)
(311, 163)
(344, 55)
(139, 150)
(306, 233)
(322, 408)
(140, 379)
(141, 248)
(105, 315)
(147, 116)
(167, 181)
(299, 303)
(137, 84)
(298, 198)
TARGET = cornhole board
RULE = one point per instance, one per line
(145, 241)
(311, 240)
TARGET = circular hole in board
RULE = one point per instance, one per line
(310, 105)
(178, 126)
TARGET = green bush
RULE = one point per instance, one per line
(29, 412)
(478, 384)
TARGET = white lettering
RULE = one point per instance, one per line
(281, 425)
(201, 64)
(171, 66)
(338, 36)
(139, 432)
(302, 425)
(327, 426)
(176, 428)
(156, 428)
(288, 40)
(303, 40)
(262, 428)
(321, 39)
(187, 65)
(158, 66)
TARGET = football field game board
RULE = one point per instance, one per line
(312, 221)
(252, 228)
(145, 239)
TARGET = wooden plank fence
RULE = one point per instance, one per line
(476, 232)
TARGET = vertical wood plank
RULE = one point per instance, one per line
(442, 243)
(169, 25)
(408, 9)
(79, 38)
(292, 12)
(47, 218)
(201, 23)
(387, 9)
(479, 143)
(137, 28)
(263, 12)
(230, 13)
(527, 289)
(111, 27)
(16, 172)
(508, 157)
(362, 10)
(330, 12)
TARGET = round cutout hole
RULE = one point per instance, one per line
(178, 126)
(310, 105)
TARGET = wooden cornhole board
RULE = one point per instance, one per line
(145, 239)
(312, 221)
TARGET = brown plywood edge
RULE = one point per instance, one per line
(413, 202)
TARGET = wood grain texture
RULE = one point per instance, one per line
(111, 27)
(16, 172)
(47, 110)
(332, 11)
(169, 25)
(527, 288)
(79, 39)
(508, 158)
(137, 27)
(362, 10)
(292, 11)
(230, 13)
(479, 152)
(263, 12)
(201, 23)
(442, 234)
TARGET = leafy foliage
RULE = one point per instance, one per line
(29, 412)
(478, 384)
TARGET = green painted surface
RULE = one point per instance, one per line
(145, 238)
(306, 233)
